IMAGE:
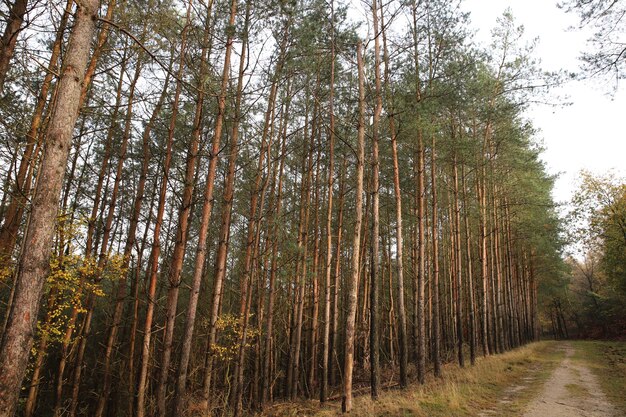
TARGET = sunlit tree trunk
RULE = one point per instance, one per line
(34, 264)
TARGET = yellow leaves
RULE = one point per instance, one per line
(6, 272)
(230, 331)
(71, 281)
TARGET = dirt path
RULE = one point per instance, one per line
(571, 391)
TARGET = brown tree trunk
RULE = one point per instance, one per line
(301, 263)
(482, 211)
(34, 263)
(101, 40)
(152, 273)
(333, 363)
(421, 202)
(220, 260)
(312, 348)
(67, 346)
(128, 247)
(266, 381)
(470, 272)
(458, 296)
(435, 239)
(176, 264)
(9, 37)
(329, 214)
(374, 248)
(346, 405)
(21, 189)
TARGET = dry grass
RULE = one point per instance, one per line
(514, 376)
(607, 360)
(576, 390)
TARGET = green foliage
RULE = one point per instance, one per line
(598, 225)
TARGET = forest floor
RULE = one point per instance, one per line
(543, 379)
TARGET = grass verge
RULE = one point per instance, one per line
(607, 360)
(497, 385)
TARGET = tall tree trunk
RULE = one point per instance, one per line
(21, 189)
(329, 213)
(421, 202)
(106, 234)
(458, 296)
(333, 363)
(470, 271)
(131, 238)
(274, 224)
(301, 263)
(152, 273)
(176, 264)
(346, 405)
(312, 348)
(374, 248)
(482, 224)
(9, 37)
(435, 256)
(34, 263)
(220, 260)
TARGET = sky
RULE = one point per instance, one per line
(588, 134)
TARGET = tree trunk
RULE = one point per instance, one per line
(9, 37)
(128, 248)
(458, 296)
(374, 248)
(346, 405)
(470, 272)
(220, 263)
(329, 214)
(435, 256)
(21, 189)
(176, 264)
(333, 361)
(34, 263)
(266, 380)
(152, 273)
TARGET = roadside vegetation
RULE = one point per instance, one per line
(607, 360)
(500, 385)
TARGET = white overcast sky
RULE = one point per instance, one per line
(589, 134)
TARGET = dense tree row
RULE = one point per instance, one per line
(208, 206)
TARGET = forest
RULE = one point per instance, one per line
(212, 206)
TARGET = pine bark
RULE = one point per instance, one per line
(21, 189)
(329, 214)
(436, 342)
(374, 248)
(9, 37)
(346, 405)
(152, 273)
(34, 263)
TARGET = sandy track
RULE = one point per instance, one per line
(571, 391)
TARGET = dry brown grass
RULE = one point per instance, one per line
(514, 375)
